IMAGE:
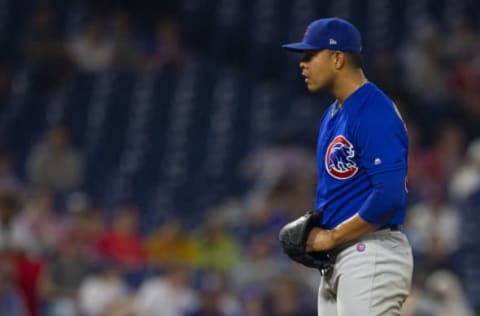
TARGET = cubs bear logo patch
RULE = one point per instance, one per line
(339, 159)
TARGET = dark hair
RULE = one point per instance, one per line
(355, 59)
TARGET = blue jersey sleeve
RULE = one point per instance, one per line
(381, 138)
(382, 144)
(386, 198)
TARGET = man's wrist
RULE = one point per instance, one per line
(335, 237)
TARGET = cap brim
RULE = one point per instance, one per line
(299, 47)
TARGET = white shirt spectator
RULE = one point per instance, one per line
(98, 293)
(91, 51)
(157, 297)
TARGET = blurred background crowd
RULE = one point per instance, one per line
(150, 152)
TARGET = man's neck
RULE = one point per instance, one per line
(346, 84)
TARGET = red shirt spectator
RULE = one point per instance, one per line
(27, 273)
(122, 244)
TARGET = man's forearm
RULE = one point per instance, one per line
(351, 229)
(324, 239)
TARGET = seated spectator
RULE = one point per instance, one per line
(216, 247)
(11, 301)
(9, 180)
(215, 298)
(126, 55)
(28, 270)
(433, 230)
(170, 244)
(167, 295)
(83, 227)
(122, 243)
(63, 276)
(98, 293)
(92, 51)
(12, 236)
(45, 51)
(55, 163)
(465, 83)
(39, 218)
(259, 266)
(466, 177)
(442, 296)
(424, 68)
(287, 299)
(166, 50)
(254, 301)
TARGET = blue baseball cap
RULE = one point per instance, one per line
(329, 33)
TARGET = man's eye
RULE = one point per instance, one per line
(307, 57)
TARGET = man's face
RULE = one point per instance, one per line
(317, 68)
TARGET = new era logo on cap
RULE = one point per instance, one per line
(329, 33)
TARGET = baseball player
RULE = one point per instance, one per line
(362, 165)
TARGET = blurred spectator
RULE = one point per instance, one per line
(122, 243)
(259, 266)
(45, 51)
(167, 295)
(433, 230)
(447, 289)
(92, 50)
(11, 301)
(83, 228)
(216, 247)
(170, 244)
(166, 50)
(99, 292)
(270, 164)
(253, 301)
(465, 191)
(286, 299)
(14, 241)
(9, 180)
(417, 180)
(214, 298)
(424, 68)
(55, 163)
(444, 156)
(443, 296)
(289, 198)
(12, 236)
(462, 38)
(74, 259)
(62, 278)
(466, 177)
(40, 220)
(126, 54)
(465, 85)
(28, 270)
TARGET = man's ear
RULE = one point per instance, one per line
(338, 59)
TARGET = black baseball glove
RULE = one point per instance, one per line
(293, 238)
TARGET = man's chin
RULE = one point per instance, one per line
(313, 88)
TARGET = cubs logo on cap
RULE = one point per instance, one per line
(329, 33)
(339, 159)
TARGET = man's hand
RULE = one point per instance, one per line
(325, 239)
(293, 239)
(320, 240)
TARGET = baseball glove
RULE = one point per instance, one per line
(293, 238)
